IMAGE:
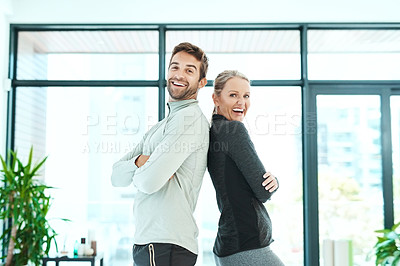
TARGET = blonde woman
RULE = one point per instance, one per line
(239, 178)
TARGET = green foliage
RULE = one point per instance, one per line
(387, 248)
(340, 208)
(24, 202)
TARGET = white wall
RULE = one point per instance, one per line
(179, 11)
(5, 11)
(174, 11)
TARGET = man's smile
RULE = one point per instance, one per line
(178, 84)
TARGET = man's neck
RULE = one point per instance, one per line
(174, 100)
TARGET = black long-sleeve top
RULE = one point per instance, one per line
(237, 176)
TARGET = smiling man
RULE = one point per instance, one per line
(167, 167)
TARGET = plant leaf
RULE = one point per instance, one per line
(25, 200)
(395, 226)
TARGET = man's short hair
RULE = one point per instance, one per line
(196, 52)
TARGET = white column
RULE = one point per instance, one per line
(5, 12)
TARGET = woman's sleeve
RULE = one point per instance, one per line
(241, 149)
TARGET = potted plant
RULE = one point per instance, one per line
(24, 204)
(387, 248)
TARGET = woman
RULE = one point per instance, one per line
(239, 178)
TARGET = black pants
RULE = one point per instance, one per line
(160, 254)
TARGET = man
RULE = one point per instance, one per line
(167, 167)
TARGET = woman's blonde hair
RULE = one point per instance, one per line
(221, 80)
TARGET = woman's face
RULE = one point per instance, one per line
(234, 100)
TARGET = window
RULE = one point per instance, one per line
(88, 55)
(83, 131)
(350, 186)
(260, 54)
(354, 54)
(395, 113)
(85, 96)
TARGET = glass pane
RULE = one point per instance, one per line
(274, 124)
(395, 114)
(349, 171)
(260, 54)
(84, 131)
(354, 54)
(88, 55)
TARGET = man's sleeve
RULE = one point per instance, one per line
(182, 137)
(124, 170)
(241, 150)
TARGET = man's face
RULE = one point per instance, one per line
(183, 77)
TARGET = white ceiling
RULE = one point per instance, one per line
(205, 11)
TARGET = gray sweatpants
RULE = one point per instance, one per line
(260, 257)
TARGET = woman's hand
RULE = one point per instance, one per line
(270, 183)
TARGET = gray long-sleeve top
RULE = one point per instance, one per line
(163, 207)
(237, 175)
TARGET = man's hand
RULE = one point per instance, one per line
(141, 160)
(270, 183)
